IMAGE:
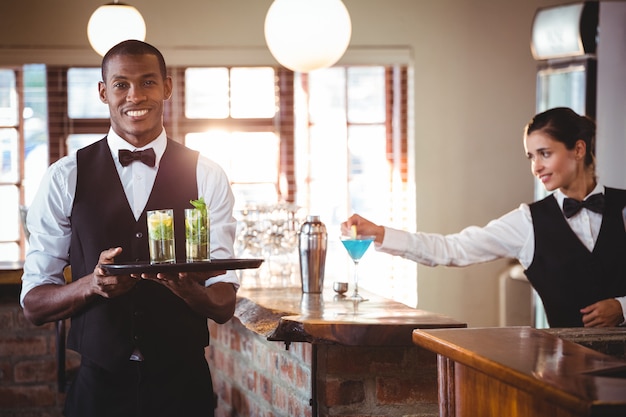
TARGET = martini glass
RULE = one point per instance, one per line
(356, 247)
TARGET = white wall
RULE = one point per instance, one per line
(474, 90)
(611, 110)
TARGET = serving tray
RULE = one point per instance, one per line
(213, 265)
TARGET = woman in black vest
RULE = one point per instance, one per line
(571, 244)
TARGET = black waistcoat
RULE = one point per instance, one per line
(564, 273)
(150, 316)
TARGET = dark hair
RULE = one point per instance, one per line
(133, 47)
(565, 125)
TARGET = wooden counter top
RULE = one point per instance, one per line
(11, 272)
(548, 370)
(285, 314)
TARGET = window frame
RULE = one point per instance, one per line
(19, 181)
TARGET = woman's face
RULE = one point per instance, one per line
(552, 163)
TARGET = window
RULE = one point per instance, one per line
(343, 157)
(35, 128)
(351, 157)
(333, 141)
(84, 107)
(10, 176)
(240, 153)
(83, 100)
(23, 149)
(244, 100)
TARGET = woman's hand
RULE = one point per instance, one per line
(605, 313)
(362, 227)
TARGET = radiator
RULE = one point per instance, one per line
(516, 298)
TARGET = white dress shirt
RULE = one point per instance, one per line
(49, 223)
(510, 236)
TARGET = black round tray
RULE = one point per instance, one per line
(213, 265)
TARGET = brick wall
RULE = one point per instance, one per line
(377, 381)
(258, 378)
(28, 371)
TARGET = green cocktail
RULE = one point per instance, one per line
(197, 241)
(161, 236)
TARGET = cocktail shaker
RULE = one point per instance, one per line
(312, 241)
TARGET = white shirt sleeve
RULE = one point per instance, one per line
(214, 186)
(48, 221)
(510, 236)
(622, 301)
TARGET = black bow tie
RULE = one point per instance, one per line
(593, 203)
(147, 156)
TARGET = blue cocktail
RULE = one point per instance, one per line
(356, 247)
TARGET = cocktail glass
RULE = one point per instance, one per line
(161, 236)
(197, 235)
(356, 247)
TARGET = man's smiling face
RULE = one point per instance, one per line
(135, 91)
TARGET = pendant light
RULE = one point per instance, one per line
(113, 23)
(305, 35)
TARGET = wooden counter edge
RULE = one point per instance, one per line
(450, 352)
(280, 316)
(11, 273)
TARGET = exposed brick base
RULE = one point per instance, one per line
(28, 370)
(258, 378)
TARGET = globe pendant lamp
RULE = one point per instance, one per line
(305, 35)
(113, 23)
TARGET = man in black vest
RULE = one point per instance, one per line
(141, 337)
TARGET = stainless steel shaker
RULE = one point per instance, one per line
(312, 241)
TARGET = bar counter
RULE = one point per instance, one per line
(11, 272)
(286, 353)
(288, 315)
(521, 371)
